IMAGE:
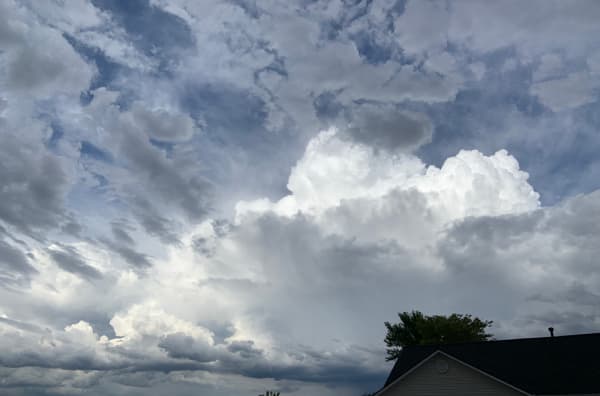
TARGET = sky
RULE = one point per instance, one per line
(225, 197)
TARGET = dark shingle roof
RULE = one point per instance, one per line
(549, 365)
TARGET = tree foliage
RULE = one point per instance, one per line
(415, 328)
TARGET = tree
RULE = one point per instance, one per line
(418, 329)
(270, 393)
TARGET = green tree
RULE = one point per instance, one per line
(415, 328)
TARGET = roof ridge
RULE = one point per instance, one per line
(506, 340)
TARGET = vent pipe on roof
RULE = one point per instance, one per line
(551, 330)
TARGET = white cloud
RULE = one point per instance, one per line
(333, 170)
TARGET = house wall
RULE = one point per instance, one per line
(459, 380)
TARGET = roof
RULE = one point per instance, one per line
(548, 365)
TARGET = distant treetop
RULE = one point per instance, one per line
(415, 328)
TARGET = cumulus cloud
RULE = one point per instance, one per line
(333, 171)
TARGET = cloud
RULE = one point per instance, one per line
(161, 125)
(544, 253)
(34, 184)
(15, 268)
(388, 128)
(177, 214)
(69, 259)
(571, 91)
(333, 170)
(179, 345)
(120, 233)
(168, 179)
(37, 58)
(418, 232)
(137, 260)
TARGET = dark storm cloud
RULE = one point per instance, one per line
(69, 259)
(308, 365)
(242, 357)
(245, 349)
(389, 128)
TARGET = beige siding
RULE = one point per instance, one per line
(460, 380)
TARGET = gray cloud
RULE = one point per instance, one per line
(564, 323)
(120, 234)
(245, 349)
(180, 346)
(38, 60)
(162, 125)
(69, 259)
(152, 222)
(31, 69)
(389, 128)
(34, 186)
(537, 257)
(190, 193)
(15, 268)
(137, 260)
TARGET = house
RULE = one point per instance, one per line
(566, 365)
